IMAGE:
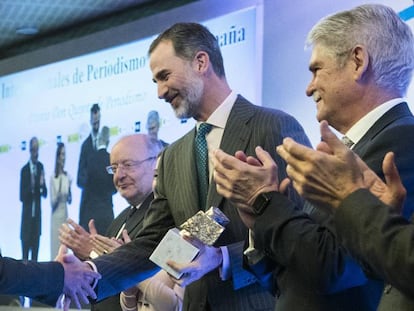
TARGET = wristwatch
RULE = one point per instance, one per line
(261, 202)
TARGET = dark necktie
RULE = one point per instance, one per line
(201, 153)
(347, 142)
(131, 212)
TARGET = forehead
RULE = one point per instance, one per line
(163, 57)
(320, 56)
(128, 149)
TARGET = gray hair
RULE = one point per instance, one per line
(388, 40)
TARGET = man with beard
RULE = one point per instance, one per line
(187, 67)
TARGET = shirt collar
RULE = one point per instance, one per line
(360, 128)
(219, 117)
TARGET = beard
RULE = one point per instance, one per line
(191, 100)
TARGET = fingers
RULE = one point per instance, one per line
(66, 303)
(331, 139)
(186, 271)
(263, 156)
(393, 180)
(392, 177)
(62, 250)
(92, 228)
(77, 228)
(69, 258)
(284, 185)
(241, 156)
(125, 236)
(103, 245)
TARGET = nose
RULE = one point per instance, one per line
(119, 173)
(162, 90)
(310, 89)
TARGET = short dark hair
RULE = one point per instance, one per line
(95, 108)
(190, 38)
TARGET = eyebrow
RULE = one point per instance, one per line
(160, 75)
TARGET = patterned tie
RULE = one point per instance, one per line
(201, 153)
(347, 142)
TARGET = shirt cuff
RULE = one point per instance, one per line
(95, 269)
(253, 255)
(224, 269)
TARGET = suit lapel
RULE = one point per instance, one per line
(235, 137)
(397, 112)
(186, 174)
(138, 216)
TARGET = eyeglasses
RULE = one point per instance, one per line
(126, 166)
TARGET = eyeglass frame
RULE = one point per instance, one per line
(130, 163)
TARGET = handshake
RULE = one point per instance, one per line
(79, 280)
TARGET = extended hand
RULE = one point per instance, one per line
(78, 278)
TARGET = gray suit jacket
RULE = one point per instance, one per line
(176, 200)
(319, 273)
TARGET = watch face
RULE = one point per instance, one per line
(261, 202)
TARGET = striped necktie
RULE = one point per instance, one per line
(201, 153)
(347, 142)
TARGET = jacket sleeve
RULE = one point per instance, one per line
(378, 237)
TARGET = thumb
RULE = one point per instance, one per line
(63, 250)
(390, 169)
(92, 228)
(333, 142)
(393, 180)
(263, 156)
(125, 236)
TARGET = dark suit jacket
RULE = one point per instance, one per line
(319, 273)
(177, 199)
(133, 220)
(27, 197)
(97, 193)
(41, 281)
(383, 240)
(86, 150)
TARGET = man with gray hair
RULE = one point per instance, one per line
(362, 61)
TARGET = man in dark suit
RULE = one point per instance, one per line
(32, 188)
(99, 185)
(187, 66)
(362, 100)
(367, 212)
(89, 147)
(132, 163)
(153, 127)
(45, 281)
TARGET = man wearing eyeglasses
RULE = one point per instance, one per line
(132, 162)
